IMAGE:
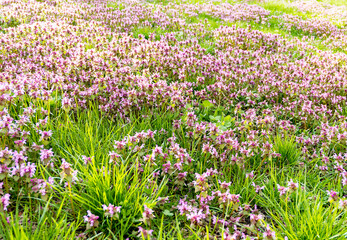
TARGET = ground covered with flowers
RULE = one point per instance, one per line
(135, 119)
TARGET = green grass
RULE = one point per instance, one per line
(334, 2)
(48, 221)
(148, 31)
(91, 133)
(287, 148)
(130, 183)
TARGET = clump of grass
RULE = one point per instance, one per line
(48, 222)
(148, 30)
(286, 146)
(334, 2)
(12, 22)
(306, 217)
(104, 182)
(304, 213)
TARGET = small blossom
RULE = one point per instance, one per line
(86, 160)
(343, 204)
(143, 233)
(292, 186)
(269, 234)
(5, 201)
(282, 190)
(91, 220)
(333, 196)
(111, 210)
(147, 215)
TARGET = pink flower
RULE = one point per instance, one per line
(257, 187)
(255, 219)
(86, 159)
(196, 216)
(111, 210)
(147, 215)
(45, 135)
(292, 186)
(282, 190)
(5, 201)
(67, 172)
(91, 219)
(269, 235)
(144, 233)
(250, 175)
(343, 204)
(46, 155)
(333, 196)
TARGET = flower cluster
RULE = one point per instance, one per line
(240, 98)
(19, 159)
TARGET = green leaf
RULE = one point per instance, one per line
(227, 118)
(168, 213)
(207, 104)
(213, 118)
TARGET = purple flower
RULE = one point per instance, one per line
(144, 233)
(91, 220)
(282, 190)
(147, 215)
(269, 234)
(332, 196)
(292, 186)
(257, 187)
(5, 201)
(343, 204)
(86, 159)
(111, 210)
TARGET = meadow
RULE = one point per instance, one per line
(159, 119)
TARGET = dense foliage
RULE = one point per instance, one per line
(137, 119)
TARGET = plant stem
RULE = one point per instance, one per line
(73, 210)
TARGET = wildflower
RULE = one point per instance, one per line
(195, 216)
(292, 186)
(183, 207)
(45, 136)
(163, 200)
(41, 186)
(344, 181)
(113, 157)
(282, 190)
(46, 155)
(3, 171)
(66, 103)
(250, 175)
(147, 215)
(143, 233)
(269, 234)
(257, 187)
(181, 177)
(86, 160)
(332, 196)
(5, 201)
(67, 172)
(343, 204)
(206, 148)
(91, 219)
(111, 210)
(6, 156)
(255, 220)
(224, 185)
(201, 184)
(36, 147)
(27, 169)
